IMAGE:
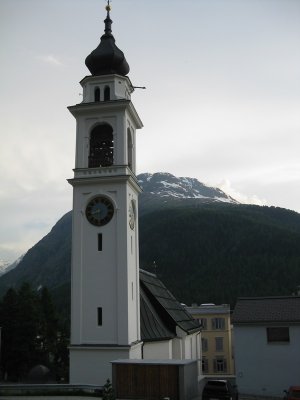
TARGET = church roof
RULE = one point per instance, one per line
(258, 310)
(161, 313)
(107, 58)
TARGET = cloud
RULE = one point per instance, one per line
(51, 60)
(39, 225)
(225, 185)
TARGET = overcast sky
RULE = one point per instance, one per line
(221, 105)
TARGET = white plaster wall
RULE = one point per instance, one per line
(177, 349)
(135, 352)
(157, 350)
(262, 368)
(107, 278)
(92, 366)
(133, 287)
(120, 87)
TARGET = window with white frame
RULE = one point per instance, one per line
(203, 323)
(220, 365)
(218, 323)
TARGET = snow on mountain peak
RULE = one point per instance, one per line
(165, 185)
(6, 266)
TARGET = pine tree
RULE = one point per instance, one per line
(8, 322)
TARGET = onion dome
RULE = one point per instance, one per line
(107, 58)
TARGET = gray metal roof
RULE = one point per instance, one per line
(204, 309)
(152, 326)
(161, 313)
(256, 310)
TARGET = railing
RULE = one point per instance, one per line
(101, 171)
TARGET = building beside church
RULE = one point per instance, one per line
(267, 337)
(117, 311)
(216, 338)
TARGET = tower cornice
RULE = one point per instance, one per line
(115, 174)
(112, 105)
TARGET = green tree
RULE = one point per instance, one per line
(28, 348)
(48, 327)
(31, 334)
(8, 322)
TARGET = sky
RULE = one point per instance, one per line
(221, 104)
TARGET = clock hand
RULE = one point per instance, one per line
(96, 212)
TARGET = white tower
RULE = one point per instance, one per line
(105, 312)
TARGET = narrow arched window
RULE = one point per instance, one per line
(129, 149)
(101, 146)
(97, 94)
(106, 93)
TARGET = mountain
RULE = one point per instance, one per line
(6, 266)
(163, 189)
(201, 243)
(3, 266)
(48, 263)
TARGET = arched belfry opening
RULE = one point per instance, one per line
(106, 93)
(129, 149)
(101, 146)
(97, 94)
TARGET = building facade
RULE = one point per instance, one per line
(216, 337)
(267, 351)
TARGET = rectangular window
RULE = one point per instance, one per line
(220, 365)
(204, 365)
(218, 323)
(219, 344)
(99, 316)
(278, 334)
(203, 322)
(204, 342)
(99, 241)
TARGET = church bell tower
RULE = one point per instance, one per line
(105, 310)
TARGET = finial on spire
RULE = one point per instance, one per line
(108, 6)
(107, 20)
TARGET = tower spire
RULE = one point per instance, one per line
(107, 58)
(107, 20)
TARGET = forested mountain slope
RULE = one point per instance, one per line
(204, 251)
(218, 253)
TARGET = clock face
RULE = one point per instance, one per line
(99, 211)
(132, 214)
